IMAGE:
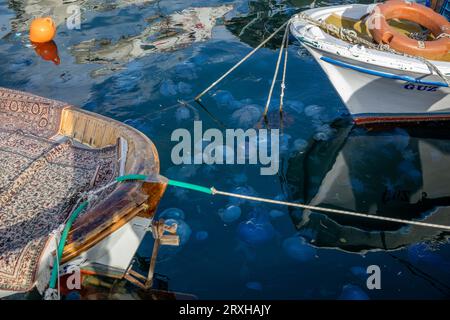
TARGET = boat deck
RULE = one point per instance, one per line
(355, 20)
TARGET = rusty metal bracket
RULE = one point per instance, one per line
(158, 229)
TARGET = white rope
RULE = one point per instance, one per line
(91, 195)
(443, 35)
(240, 62)
(283, 81)
(277, 68)
(55, 294)
(329, 210)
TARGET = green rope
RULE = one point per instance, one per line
(131, 177)
(72, 218)
(174, 183)
(189, 186)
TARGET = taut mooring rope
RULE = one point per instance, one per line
(277, 68)
(241, 61)
(283, 80)
(214, 191)
(329, 210)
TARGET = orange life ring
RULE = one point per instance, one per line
(382, 32)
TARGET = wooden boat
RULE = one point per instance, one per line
(52, 152)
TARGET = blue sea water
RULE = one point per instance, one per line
(233, 248)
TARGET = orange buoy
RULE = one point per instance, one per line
(42, 30)
(382, 32)
(48, 51)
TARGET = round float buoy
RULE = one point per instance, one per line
(42, 30)
(382, 32)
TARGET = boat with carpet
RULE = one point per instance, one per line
(388, 61)
(52, 154)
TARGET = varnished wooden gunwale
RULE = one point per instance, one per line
(129, 199)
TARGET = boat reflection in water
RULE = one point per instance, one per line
(400, 172)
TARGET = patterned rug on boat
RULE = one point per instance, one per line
(40, 181)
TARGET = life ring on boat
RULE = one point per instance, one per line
(383, 33)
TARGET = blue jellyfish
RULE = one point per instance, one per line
(172, 213)
(314, 111)
(352, 292)
(276, 213)
(200, 59)
(236, 104)
(257, 230)
(182, 172)
(357, 185)
(408, 168)
(359, 272)
(240, 178)
(324, 132)
(168, 88)
(284, 142)
(183, 229)
(254, 285)
(280, 197)
(230, 213)
(186, 71)
(295, 105)
(201, 235)
(225, 153)
(247, 150)
(224, 98)
(181, 194)
(182, 113)
(298, 249)
(300, 145)
(246, 101)
(184, 88)
(408, 155)
(247, 116)
(400, 139)
(243, 190)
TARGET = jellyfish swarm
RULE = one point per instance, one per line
(230, 214)
(257, 230)
(298, 249)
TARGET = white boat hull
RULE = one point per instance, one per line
(375, 86)
(112, 256)
(371, 98)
